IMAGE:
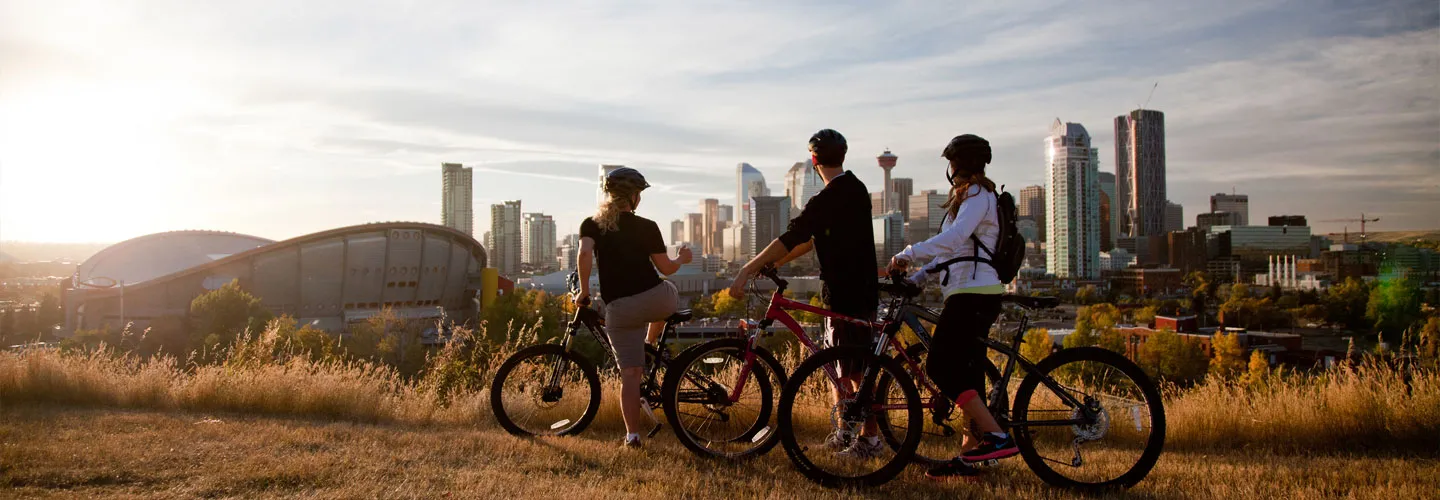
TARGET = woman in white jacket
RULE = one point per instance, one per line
(972, 298)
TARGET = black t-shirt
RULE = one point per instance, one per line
(624, 255)
(838, 218)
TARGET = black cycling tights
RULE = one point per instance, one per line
(957, 358)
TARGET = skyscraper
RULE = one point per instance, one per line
(925, 215)
(769, 217)
(1174, 217)
(1032, 206)
(1140, 172)
(505, 236)
(1073, 204)
(1238, 204)
(600, 184)
(889, 232)
(677, 231)
(801, 184)
(727, 215)
(695, 231)
(900, 190)
(538, 247)
(710, 226)
(1109, 220)
(886, 161)
(457, 208)
(749, 183)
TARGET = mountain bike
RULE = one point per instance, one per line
(549, 389)
(1086, 396)
(720, 396)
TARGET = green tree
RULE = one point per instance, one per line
(1146, 315)
(1037, 345)
(1228, 359)
(220, 315)
(1086, 295)
(1259, 370)
(1394, 306)
(1169, 356)
(726, 306)
(1346, 302)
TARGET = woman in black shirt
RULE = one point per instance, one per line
(630, 250)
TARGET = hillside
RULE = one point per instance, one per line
(51, 452)
(1389, 236)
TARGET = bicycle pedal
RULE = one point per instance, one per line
(990, 463)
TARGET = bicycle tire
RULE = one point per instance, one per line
(1154, 445)
(769, 376)
(857, 356)
(917, 352)
(497, 396)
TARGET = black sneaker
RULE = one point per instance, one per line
(993, 446)
(954, 469)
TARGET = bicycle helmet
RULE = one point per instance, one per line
(625, 180)
(828, 143)
(967, 147)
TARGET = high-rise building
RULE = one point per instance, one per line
(727, 215)
(710, 226)
(877, 204)
(505, 235)
(600, 184)
(769, 217)
(1073, 204)
(925, 215)
(1109, 220)
(571, 239)
(737, 238)
(1140, 172)
(889, 231)
(1212, 219)
(1239, 204)
(1032, 206)
(1189, 250)
(1174, 217)
(538, 247)
(457, 208)
(801, 184)
(900, 190)
(677, 231)
(749, 183)
(566, 256)
(1288, 220)
(695, 231)
(489, 242)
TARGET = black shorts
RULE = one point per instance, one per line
(838, 332)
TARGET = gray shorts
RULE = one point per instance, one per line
(628, 318)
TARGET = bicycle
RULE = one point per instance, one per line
(530, 390)
(1087, 418)
(705, 393)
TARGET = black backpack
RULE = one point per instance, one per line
(1009, 252)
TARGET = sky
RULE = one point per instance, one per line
(281, 118)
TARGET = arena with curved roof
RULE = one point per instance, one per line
(327, 279)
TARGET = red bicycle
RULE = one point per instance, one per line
(720, 396)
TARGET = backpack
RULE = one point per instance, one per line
(1009, 252)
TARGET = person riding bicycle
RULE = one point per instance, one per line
(630, 250)
(972, 298)
(836, 224)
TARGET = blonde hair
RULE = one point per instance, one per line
(616, 202)
(960, 188)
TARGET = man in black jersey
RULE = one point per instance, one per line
(836, 224)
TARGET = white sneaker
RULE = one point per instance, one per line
(837, 442)
(864, 448)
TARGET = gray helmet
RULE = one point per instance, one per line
(625, 179)
(968, 147)
(828, 142)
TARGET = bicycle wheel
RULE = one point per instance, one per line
(1089, 418)
(809, 414)
(544, 390)
(699, 406)
(942, 436)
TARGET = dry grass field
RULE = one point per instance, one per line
(106, 424)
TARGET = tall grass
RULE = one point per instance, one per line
(1344, 409)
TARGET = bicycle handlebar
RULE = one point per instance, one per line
(769, 272)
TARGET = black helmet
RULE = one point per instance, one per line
(828, 141)
(625, 179)
(968, 147)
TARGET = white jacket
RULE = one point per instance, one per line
(978, 216)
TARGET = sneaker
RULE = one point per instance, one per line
(864, 448)
(632, 442)
(952, 470)
(993, 446)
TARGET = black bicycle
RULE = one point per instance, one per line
(549, 389)
(1083, 417)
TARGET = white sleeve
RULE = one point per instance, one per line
(948, 242)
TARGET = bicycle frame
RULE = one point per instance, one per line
(590, 319)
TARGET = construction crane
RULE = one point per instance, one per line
(1362, 220)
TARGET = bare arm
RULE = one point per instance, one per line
(668, 266)
(772, 253)
(796, 252)
(585, 261)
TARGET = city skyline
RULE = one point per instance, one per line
(221, 117)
